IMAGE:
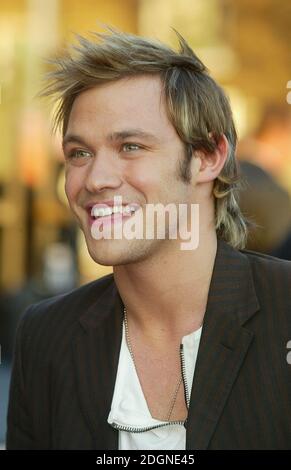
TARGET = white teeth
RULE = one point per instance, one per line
(105, 211)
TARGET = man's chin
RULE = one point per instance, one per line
(108, 252)
(118, 252)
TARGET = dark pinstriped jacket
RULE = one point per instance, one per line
(67, 351)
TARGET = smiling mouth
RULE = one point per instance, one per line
(107, 215)
(102, 212)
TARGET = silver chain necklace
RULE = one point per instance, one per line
(131, 353)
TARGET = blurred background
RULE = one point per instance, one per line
(246, 46)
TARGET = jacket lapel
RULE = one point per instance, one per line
(224, 343)
(96, 351)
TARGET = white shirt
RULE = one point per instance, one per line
(129, 410)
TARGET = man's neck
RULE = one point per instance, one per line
(167, 298)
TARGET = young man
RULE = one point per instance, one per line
(115, 363)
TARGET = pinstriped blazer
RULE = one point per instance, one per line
(67, 350)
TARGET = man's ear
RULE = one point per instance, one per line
(211, 164)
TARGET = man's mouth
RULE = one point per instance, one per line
(127, 211)
(107, 215)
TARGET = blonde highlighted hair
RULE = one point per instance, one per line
(197, 106)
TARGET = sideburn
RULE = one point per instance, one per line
(184, 171)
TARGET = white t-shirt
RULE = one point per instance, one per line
(129, 410)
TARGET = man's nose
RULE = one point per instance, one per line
(103, 173)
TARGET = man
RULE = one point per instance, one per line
(115, 363)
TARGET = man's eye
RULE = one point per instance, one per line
(130, 147)
(79, 154)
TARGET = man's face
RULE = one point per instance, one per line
(120, 142)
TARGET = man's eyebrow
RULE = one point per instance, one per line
(114, 136)
(73, 138)
(121, 135)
